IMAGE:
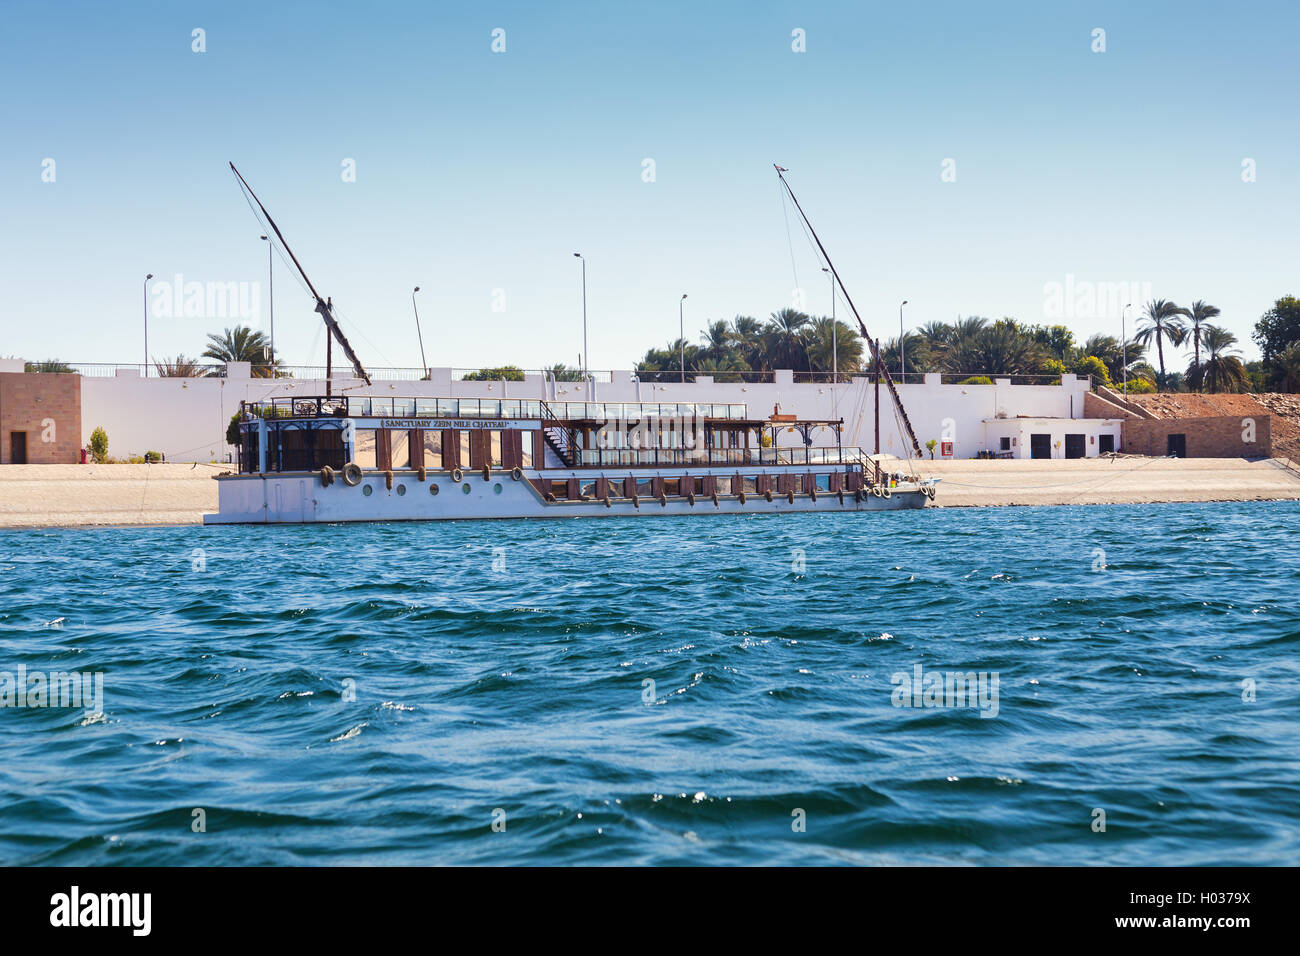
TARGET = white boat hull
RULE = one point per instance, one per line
(301, 498)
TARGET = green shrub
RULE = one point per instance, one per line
(99, 445)
(976, 380)
(1054, 366)
(152, 457)
(232, 430)
(1091, 365)
(1141, 386)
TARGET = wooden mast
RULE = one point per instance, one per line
(881, 369)
(324, 306)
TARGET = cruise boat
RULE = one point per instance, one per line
(331, 458)
(350, 458)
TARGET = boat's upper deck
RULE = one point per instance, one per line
(512, 409)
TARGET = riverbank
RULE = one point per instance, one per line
(39, 496)
(1111, 481)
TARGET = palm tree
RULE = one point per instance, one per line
(179, 367)
(241, 344)
(829, 341)
(784, 337)
(1005, 348)
(961, 351)
(747, 338)
(49, 365)
(1200, 313)
(1113, 354)
(1163, 323)
(717, 339)
(726, 369)
(1222, 369)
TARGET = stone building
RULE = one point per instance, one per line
(40, 418)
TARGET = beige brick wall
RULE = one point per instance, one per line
(1210, 437)
(45, 406)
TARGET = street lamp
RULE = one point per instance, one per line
(146, 324)
(270, 274)
(902, 358)
(681, 331)
(586, 359)
(835, 332)
(423, 363)
(1123, 334)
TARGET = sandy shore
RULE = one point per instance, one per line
(1105, 481)
(37, 496)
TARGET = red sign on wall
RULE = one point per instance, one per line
(945, 449)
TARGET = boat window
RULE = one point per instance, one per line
(403, 407)
(750, 484)
(449, 407)
(510, 409)
(560, 489)
(401, 445)
(645, 488)
(824, 482)
(494, 450)
(381, 407)
(588, 489)
(426, 407)
(432, 448)
(363, 452)
(359, 406)
(526, 458)
(464, 448)
(672, 487)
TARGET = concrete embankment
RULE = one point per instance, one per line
(35, 496)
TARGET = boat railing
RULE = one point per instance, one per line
(688, 457)
(369, 406)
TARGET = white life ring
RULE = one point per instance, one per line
(352, 474)
(457, 474)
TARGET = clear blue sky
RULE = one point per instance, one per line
(479, 171)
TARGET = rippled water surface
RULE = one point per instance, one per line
(502, 671)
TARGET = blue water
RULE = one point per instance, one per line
(508, 685)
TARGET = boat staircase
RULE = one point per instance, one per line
(561, 437)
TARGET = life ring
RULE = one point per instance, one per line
(326, 476)
(928, 491)
(388, 480)
(517, 473)
(885, 492)
(352, 474)
(457, 474)
(663, 501)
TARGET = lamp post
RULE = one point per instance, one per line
(423, 364)
(681, 331)
(902, 358)
(270, 278)
(1123, 334)
(146, 324)
(586, 359)
(835, 332)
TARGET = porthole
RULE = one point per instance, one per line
(433, 489)
(367, 490)
(401, 489)
(496, 489)
(464, 489)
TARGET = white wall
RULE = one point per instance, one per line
(186, 419)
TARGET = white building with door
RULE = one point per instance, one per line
(1029, 437)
